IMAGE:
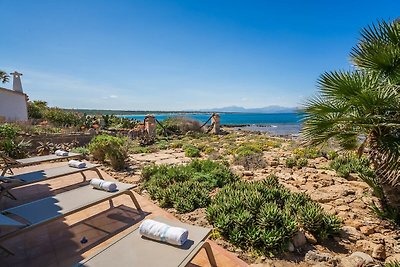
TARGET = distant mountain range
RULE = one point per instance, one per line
(268, 109)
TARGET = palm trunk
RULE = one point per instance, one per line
(391, 192)
(392, 195)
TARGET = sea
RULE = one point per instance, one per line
(277, 124)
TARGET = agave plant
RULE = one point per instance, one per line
(364, 104)
(44, 148)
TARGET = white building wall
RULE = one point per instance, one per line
(13, 106)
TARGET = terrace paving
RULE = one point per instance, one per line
(59, 243)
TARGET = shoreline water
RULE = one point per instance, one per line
(278, 124)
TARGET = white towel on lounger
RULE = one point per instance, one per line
(163, 232)
(103, 185)
(61, 153)
(77, 164)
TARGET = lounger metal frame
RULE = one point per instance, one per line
(62, 215)
(10, 182)
(10, 163)
(116, 245)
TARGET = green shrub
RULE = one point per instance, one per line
(179, 125)
(331, 154)
(307, 152)
(111, 121)
(185, 187)
(162, 144)
(110, 147)
(301, 162)
(191, 151)
(81, 150)
(250, 156)
(350, 163)
(36, 109)
(290, 162)
(60, 117)
(12, 145)
(263, 216)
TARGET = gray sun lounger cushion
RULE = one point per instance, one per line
(49, 209)
(15, 163)
(134, 250)
(9, 182)
(61, 205)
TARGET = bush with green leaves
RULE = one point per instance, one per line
(60, 117)
(350, 163)
(263, 216)
(109, 147)
(191, 151)
(12, 145)
(249, 156)
(179, 125)
(290, 162)
(293, 162)
(81, 150)
(307, 152)
(186, 187)
(301, 162)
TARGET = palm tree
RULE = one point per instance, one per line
(4, 76)
(364, 104)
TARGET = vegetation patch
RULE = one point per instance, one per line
(109, 147)
(296, 162)
(263, 216)
(250, 156)
(191, 151)
(307, 152)
(186, 187)
(178, 125)
(12, 145)
(350, 163)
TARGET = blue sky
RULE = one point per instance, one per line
(176, 55)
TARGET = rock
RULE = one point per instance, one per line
(310, 238)
(348, 192)
(343, 208)
(367, 230)
(350, 233)
(393, 258)
(351, 262)
(290, 247)
(354, 223)
(323, 197)
(299, 239)
(248, 173)
(316, 256)
(274, 163)
(365, 246)
(379, 252)
(367, 258)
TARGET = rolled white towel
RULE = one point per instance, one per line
(61, 153)
(77, 164)
(163, 232)
(103, 185)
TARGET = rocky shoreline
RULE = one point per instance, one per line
(364, 240)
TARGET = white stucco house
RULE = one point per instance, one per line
(13, 102)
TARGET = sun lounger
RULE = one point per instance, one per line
(135, 250)
(49, 209)
(10, 163)
(9, 182)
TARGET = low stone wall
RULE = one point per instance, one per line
(81, 139)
